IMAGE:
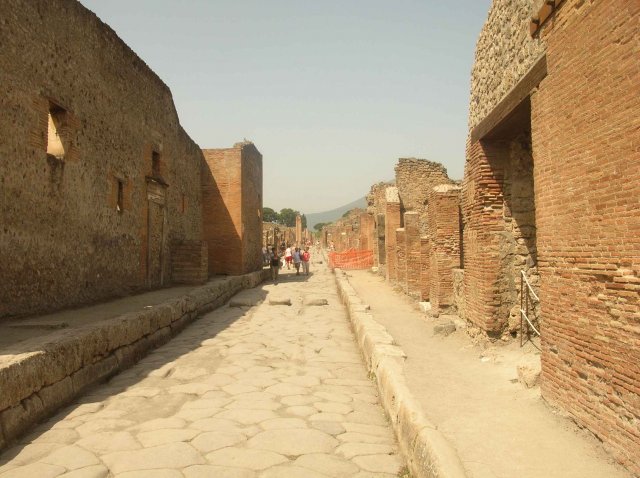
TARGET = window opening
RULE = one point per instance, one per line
(120, 197)
(55, 146)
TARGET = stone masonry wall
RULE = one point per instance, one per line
(75, 206)
(504, 53)
(414, 180)
(585, 132)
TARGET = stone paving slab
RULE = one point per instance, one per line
(39, 375)
(257, 391)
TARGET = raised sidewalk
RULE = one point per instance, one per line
(457, 406)
(46, 362)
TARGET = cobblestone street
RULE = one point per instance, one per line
(255, 388)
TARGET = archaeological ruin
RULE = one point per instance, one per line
(547, 213)
(103, 192)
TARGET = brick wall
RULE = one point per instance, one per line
(251, 207)
(401, 257)
(412, 240)
(482, 208)
(425, 266)
(585, 131)
(444, 230)
(392, 222)
(232, 205)
(71, 240)
(189, 262)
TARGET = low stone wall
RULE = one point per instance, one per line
(425, 449)
(35, 384)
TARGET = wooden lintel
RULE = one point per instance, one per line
(512, 99)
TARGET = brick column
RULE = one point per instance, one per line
(412, 252)
(391, 223)
(425, 263)
(444, 225)
(366, 232)
(381, 256)
(401, 254)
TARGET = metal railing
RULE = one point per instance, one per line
(527, 298)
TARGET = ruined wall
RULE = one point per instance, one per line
(84, 222)
(251, 207)
(414, 179)
(583, 167)
(376, 206)
(412, 253)
(444, 235)
(504, 53)
(392, 222)
(232, 208)
(587, 185)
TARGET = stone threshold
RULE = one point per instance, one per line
(426, 451)
(35, 384)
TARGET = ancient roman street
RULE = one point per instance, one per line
(255, 388)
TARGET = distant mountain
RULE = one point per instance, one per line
(331, 216)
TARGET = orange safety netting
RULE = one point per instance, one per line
(351, 259)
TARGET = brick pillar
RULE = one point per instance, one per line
(425, 249)
(381, 256)
(391, 223)
(401, 254)
(444, 224)
(483, 210)
(412, 254)
(366, 232)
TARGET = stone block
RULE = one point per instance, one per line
(528, 374)
(444, 329)
(56, 395)
(93, 373)
(17, 419)
(277, 301)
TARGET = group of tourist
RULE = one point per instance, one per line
(287, 255)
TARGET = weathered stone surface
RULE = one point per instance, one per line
(71, 457)
(384, 463)
(444, 329)
(528, 375)
(277, 301)
(96, 471)
(330, 465)
(174, 455)
(209, 471)
(243, 458)
(167, 435)
(210, 441)
(294, 441)
(109, 441)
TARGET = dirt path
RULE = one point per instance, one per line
(248, 391)
(499, 428)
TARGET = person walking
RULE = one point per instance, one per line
(306, 257)
(275, 265)
(287, 256)
(296, 260)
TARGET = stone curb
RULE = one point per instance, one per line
(33, 385)
(427, 452)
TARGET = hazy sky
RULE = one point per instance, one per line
(331, 92)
